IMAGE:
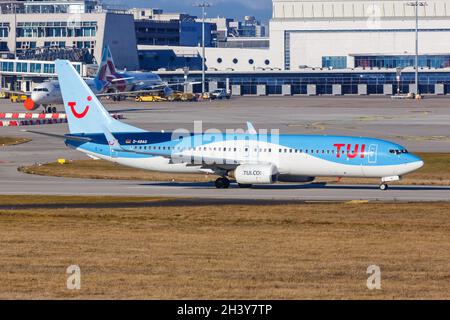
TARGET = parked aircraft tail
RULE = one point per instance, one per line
(106, 70)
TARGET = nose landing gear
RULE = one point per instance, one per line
(385, 180)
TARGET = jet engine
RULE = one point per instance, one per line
(256, 174)
(167, 91)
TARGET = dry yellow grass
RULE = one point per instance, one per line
(157, 251)
(93, 169)
(10, 141)
(435, 172)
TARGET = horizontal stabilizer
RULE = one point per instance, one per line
(58, 136)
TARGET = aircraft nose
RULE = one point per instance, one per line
(415, 163)
(34, 96)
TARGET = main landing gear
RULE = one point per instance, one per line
(48, 109)
(222, 183)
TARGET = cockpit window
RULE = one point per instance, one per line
(40, 90)
(398, 151)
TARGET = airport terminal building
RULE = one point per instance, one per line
(316, 47)
(348, 34)
(358, 34)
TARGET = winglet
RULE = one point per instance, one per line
(251, 128)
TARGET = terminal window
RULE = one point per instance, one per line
(392, 62)
(3, 46)
(334, 62)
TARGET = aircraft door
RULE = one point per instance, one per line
(247, 147)
(373, 154)
(113, 153)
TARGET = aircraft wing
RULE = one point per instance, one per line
(126, 93)
(181, 84)
(16, 92)
(164, 85)
(122, 79)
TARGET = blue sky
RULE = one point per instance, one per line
(262, 9)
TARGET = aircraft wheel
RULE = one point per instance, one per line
(222, 183)
(384, 187)
(54, 110)
(245, 186)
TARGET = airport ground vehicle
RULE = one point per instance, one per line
(150, 98)
(18, 98)
(252, 158)
(3, 95)
(219, 94)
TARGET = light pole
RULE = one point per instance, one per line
(203, 5)
(416, 4)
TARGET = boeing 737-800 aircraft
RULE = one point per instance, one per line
(252, 157)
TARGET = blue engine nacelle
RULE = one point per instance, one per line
(168, 91)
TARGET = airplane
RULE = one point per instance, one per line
(108, 82)
(253, 158)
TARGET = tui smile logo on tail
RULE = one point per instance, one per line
(75, 113)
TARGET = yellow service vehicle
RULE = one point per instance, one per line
(150, 99)
(3, 95)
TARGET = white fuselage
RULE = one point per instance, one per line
(287, 163)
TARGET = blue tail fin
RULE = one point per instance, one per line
(85, 113)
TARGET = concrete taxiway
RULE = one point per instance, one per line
(32, 185)
(420, 126)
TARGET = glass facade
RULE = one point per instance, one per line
(49, 68)
(81, 6)
(392, 62)
(57, 29)
(35, 68)
(324, 81)
(21, 67)
(59, 44)
(4, 29)
(7, 66)
(334, 62)
(31, 67)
